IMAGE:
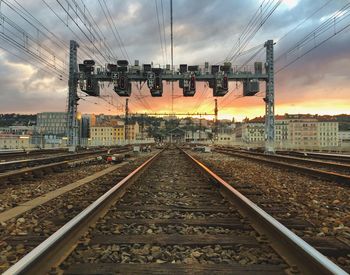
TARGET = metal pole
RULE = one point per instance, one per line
(200, 127)
(127, 120)
(216, 111)
(172, 55)
(269, 100)
(72, 123)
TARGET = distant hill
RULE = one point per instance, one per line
(17, 120)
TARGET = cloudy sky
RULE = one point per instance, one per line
(204, 30)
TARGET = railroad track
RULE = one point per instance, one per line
(320, 169)
(14, 173)
(17, 164)
(177, 218)
(12, 155)
(328, 157)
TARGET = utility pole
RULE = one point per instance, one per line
(172, 54)
(216, 110)
(200, 127)
(127, 120)
(142, 126)
(269, 100)
(72, 122)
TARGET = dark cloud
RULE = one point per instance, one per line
(204, 30)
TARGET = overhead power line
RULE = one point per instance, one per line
(311, 38)
(106, 58)
(254, 25)
(85, 50)
(112, 24)
(160, 32)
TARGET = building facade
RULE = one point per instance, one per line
(52, 123)
(298, 132)
(132, 131)
(107, 135)
(9, 141)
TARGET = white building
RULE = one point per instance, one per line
(297, 132)
(9, 141)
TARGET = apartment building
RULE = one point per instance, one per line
(52, 123)
(133, 129)
(106, 135)
(304, 132)
(328, 133)
(253, 132)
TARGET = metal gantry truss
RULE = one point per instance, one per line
(217, 76)
(72, 108)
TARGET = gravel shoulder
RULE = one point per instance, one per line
(21, 234)
(322, 203)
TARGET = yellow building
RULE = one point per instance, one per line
(106, 135)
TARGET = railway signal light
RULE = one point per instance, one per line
(183, 68)
(123, 63)
(89, 62)
(123, 87)
(250, 87)
(225, 83)
(189, 87)
(157, 89)
(112, 67)
(92, 87)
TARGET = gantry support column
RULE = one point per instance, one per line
(72, 122)
(269, 100)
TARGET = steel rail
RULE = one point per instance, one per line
(29, 162)
(317, 173)
(5, 155)
(56, 247)
(291, 247)
(32, 170)
(314, 155)
(327, 164)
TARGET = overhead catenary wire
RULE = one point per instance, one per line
(95, 32)
(85, 50)
(304, 20)
(26, 15)
(31, 53)
(311, 37)
(27, 38)
(115, 31)
(95, 36)
(36, 65)
(322, 28)
(222, 103)
(160, 32)
(85, 34)
(314, 47)
(252, 28)
(164, 36)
